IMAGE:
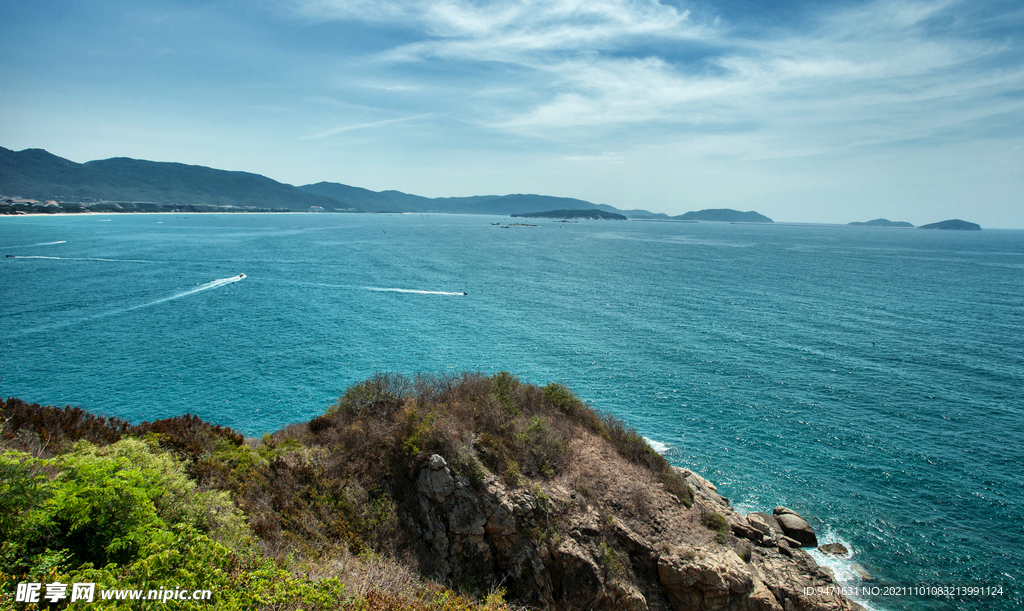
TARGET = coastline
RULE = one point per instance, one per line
(847, 574)
(604, 523)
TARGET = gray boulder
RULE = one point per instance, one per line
(795, 527)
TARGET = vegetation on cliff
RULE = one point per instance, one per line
(438, 492)
(182, 502)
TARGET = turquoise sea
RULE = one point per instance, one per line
(870, 379)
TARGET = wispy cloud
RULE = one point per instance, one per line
(855, 75)
(348, 128)
(607, 157)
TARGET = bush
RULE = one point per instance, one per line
(56, 429)
(713, 520)
(323, 490)
(383, 390)
(675, 485)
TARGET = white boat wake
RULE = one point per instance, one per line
(203, 287)
(74, 258)
(39, 244)
(374, 288)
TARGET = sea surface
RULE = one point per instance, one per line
(868, 378)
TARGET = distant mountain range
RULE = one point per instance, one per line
(136, 184)
(396, 201)
(37, 174)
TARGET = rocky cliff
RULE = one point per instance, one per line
(628, 545)
(483, 484)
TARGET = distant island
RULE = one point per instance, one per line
(724, 215)
(953, 225)
(880, 223)
(573, 215)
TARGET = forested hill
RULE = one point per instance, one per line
(37, 174)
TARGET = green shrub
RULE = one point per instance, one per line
(467, 465)
(675, 485)
(383, 390)
(505, 386)
(713, 520)
(563, 400)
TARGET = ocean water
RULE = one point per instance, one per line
(870, 379)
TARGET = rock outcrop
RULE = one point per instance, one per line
(795, 527)
(560, 549)
(833, 549)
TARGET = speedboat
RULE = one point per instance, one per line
(240, 276)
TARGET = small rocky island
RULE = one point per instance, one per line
(953, 225)
(880, 223)
(572, 215)
(724, 215)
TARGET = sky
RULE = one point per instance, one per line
(822, 112)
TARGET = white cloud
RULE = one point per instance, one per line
(607, 157)
(348, 128)
(865, 76)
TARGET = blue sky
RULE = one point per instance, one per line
(803, 111)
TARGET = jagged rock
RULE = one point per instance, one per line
(762, 599)
(588, 524)
(758, 522)
(582, 580)
(491, 535)
(634, 543)
(625, 596)
(702, 488)
(795, 527)
(769, 519)
(745, 531)
(465, 515)
(704, 579)
(436, 482)
(500, 521)
(744, 550)
(788, 577)
(700, 481)
(834, 549)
